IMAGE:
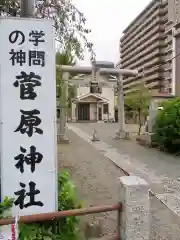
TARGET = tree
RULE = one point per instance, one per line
(70, 23)
(138, 102)
(64, 58)
(167, 126)
(70, 29)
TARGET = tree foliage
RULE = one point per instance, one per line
(138, 102)
(64, 58)
(167, 126)
(70, 23)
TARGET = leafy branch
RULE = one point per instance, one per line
(138, 103)
(70, 23)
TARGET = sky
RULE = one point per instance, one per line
(107, 19)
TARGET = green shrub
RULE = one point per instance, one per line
(62, 229)
(67, 199)
(167, 126)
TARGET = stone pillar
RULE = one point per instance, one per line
(97, 112)
(73, 112)
(121, 132)
(153, 111)
(134, 196)
(62, 138)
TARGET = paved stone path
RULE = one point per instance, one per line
(159, 169)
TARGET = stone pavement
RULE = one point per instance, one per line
(159, 169)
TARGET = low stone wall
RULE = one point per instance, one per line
(144, 216)
(164, 224)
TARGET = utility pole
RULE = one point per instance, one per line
(27, 8)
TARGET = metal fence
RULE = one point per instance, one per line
(40, 218)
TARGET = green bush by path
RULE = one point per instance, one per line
(167, 126)
(62, 229)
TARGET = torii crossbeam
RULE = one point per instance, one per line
(66, 70)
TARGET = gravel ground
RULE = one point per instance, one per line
(95, 176)
(161, 163)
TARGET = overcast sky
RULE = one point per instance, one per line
(107, 19)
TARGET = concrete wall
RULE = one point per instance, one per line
(82, 90)
(174, 10)
(109, 94)
(177, 68)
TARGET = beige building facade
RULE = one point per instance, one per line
(151, 44)
(91, 105)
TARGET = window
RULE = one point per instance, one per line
(95, 88)
(92, 89)
(106, 108)
(170, 90)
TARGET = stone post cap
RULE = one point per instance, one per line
(132, 181)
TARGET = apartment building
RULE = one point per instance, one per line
(148, 45)
(172, 53)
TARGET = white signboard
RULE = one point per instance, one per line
(28, 114)
(5, 232)
(9, 232)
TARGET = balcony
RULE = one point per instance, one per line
(150, 79)
(141, 26)
(157, 31)
(165, 19)
(152, 70)
(168, 69)
(155, 84)
(177, 32)
(164, 11)
(148, 50)
(168, 30)
(144, 32)
(168, 50)
(143, 60)
(152, 11)
(153, 40)
(168, 58)
(164, 3)
(168, 39)
(167, 66)
(153, 63)
(150, 86)
(146, 75)
(168, 78)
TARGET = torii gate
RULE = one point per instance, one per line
(121, 132)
